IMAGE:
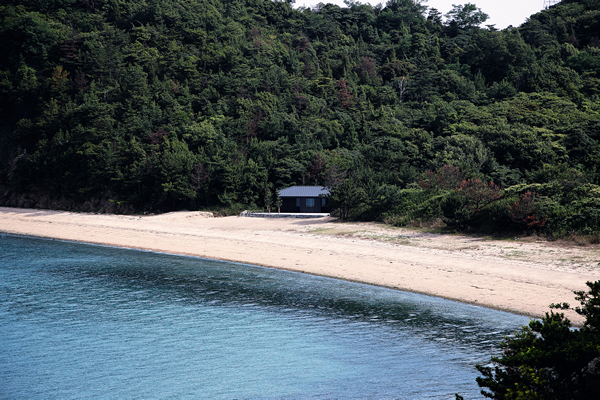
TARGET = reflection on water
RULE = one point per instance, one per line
(87, 321)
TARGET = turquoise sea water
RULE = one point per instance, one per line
(81, 321)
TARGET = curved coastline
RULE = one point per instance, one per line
(522, 277)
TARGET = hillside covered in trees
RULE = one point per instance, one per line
(407, 114)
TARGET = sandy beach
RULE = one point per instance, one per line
(522, 276)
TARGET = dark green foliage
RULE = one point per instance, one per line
(548, 359)
(346, 197)
(466, 16)
(175, 104)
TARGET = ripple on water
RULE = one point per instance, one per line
(81, 321)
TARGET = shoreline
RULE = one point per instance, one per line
(519, 277)
(113, 246)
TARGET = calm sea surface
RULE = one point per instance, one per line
(80, 321)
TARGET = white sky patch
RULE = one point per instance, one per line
(502, 12)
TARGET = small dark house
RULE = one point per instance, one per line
(304, 199)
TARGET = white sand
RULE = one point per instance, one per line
(521, 276)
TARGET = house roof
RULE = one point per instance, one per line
(303, 191)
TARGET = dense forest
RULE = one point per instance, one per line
(406, 114)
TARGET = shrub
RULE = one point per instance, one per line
(548, 359)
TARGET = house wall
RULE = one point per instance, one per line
(289, 205)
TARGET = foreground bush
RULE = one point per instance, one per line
(548, 359)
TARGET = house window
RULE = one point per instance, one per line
(322, 201)
(310, 203)
(297, 201)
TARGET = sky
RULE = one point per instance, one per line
(502, 12)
